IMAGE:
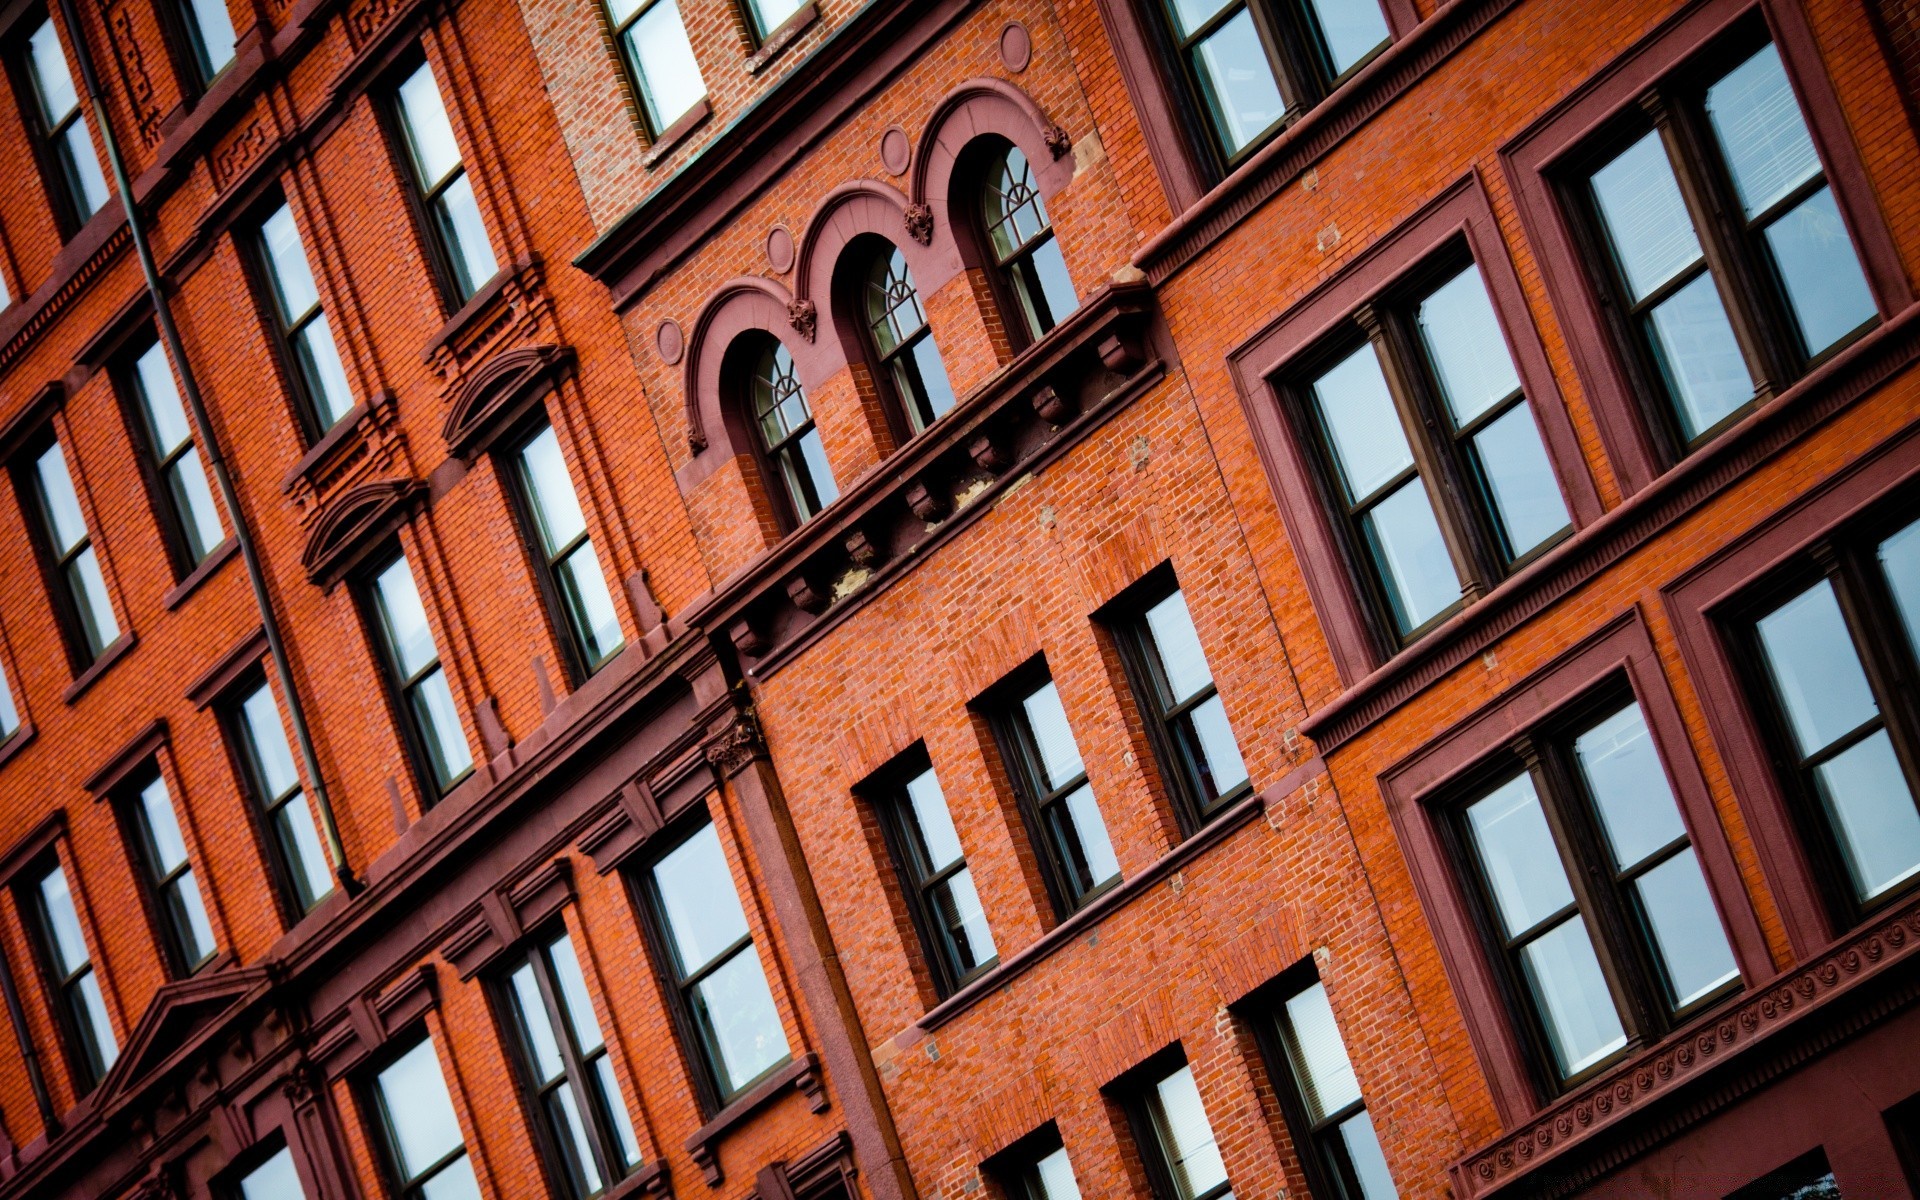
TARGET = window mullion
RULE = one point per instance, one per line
(577, 1075)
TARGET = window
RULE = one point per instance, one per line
(1805, 1178)
(172, 891)
(62, 138)
(1833, 657)
(789, 442)
(79, 590)
(9, 711)
(274, 1179)
(654, 40)
(1176, 1141)
(1026, 256)
(1714, 312)
(1333, 1134)
(1253, 63)
(80, 1008)
(425, 1150)
(1042, 1172)
(571, 577)
(320, 377)
(933, 873)
(1070, 836)
(588, 1136)
(909, 361)
(444, 190)
(714, 972)
(766, 16)
(1595, 900)
(432, 727)
(262, 742)
(1432, 464)
(210, 39)
(1186, 723)
(188, 515)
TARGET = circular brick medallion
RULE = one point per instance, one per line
(895, 151)
(670, 341)
(1016, 47)
(780, 249)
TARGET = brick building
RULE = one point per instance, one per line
(975, 597)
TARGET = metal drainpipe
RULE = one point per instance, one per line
(18, 1017)
(203, 428)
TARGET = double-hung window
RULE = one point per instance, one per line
(64, 142)
(9, 708)
(571, 578)
(789, 442)
(1031, 271)
(172, 891)
(425, 1150)
(274, 1179)
(1040, 1172)
(80, 1008)
(588, 1136)
(1251, 64)
(1176, 1139)
(767, 16)
(1186, 723)
(713, 969)
(186, 498)
(654, 40)
(319, 376)
(262, 744)
(1333, 1134)
(209, 37)
(444, 190)
(1595, 903)
(432, 726)
(73, 568)
(933, 871)
(1431, 463)
(1056, 798)
(1835, 677)
(909, 360)
(1719, 244)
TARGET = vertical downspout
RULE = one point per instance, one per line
(18, 1017)
(203, 428)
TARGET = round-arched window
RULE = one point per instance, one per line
(1024, 249)
(788, 439)
(909, 359)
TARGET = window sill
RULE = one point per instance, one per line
(480, 302)
(15, 742)
(673, 135)
(1099, 909)
(111, 655)
(777, 41)
(649, 1179)
(343, 431)
(803, 1073)
(177, 595)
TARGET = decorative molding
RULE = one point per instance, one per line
(735, 746)
(230, 160)
(136, 753)
(494, 397)
(372, 1019)
(512, 307)
(83, 260)
(132, 64)
(214, 682)
(802, 1075)
(506, 915)
(365, 442)
(918, 220)
(804, 317)
(355, 524)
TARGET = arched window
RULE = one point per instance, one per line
(908, 359)
(788, 440)
(1021, 239)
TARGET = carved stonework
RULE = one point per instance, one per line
(133, 69)
(919, 222)
(365, 20)
(804, 317)
(511, 311)
(1052, 407)
(734, 748)
(374, 446)
(1058, 141)
(231, 160)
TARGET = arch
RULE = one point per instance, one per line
(853, 209)
(984, 108)
(354, 524)
(495, 396)
(742, 305)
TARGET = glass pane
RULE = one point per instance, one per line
(467, 234)
(292, 277)
(1052, 736)
(93, 1012)
(1219, 751)
(1629, 786)
(1055, 1173)
(960, 912)
(1319, 1055)
(567, 1114)
(1686, 928)
(66, 527)
(456, 1182)
(163, 831)
(1352, 29)
(326, 375)
(166, 418)
(1357, 410)
(1189, 15)
(1463, 339)
(63, 923)
(1083, 814)
(1759, 127)
(670, 79)
(590, 604)
(1820, 271)
(1014, 212)
(274, 1179)
(1899, 557)
(419, 1112)
(1699, 357)
(574, 997)
(1873, 814)
(1645, 217)
(1411, 555)
(617, 1106)
(54, 82)
(742, 1020)
(1816, 671)
(1241, 92)
(90, 593)
(196, 932)
(272, 757)
(1194, 1157)
(1055, 284)
(1572, 996)
(1181, 659)
(932, 370)
(1518, 855)
(815, 455)
(187, 483)
(1526, 493)
(440, 728)
(543, 1052)
(307, 861)
(429, 133)
(556, 508)
(934, 822)
(86, 165)
(698, 900)
(1369, 1164)
(893, 304)
(772, 13)
(9, 712)
(409, 639)
(215, 26)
